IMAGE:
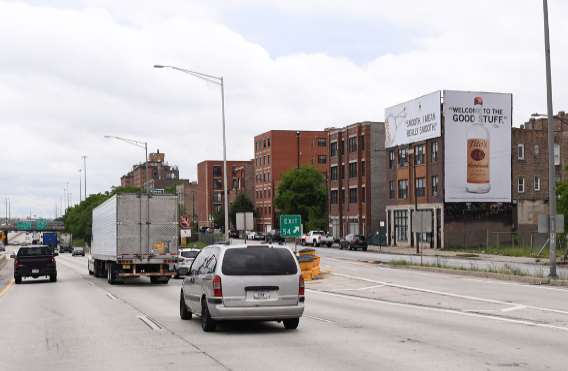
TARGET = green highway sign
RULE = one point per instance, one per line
(41, 224)
(290, 225)
(24, 226)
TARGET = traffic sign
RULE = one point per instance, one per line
(290, 225)
(41, 224)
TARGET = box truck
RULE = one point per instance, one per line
(50, 239)
(135, 235)
(65, 242)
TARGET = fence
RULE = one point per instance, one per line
(532, 240)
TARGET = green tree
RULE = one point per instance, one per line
(219, 218)
(303, 191)
(241, 204)
(562, 200)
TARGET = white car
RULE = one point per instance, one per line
(313, 238)
(184, 260)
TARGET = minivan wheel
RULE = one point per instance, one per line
(18, 279)
(184, 313)
(53, 278)
(208, 324)
(291, 324)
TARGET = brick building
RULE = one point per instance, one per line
(188, 200)
(159, 174)
(211, 189)
(530, 168)
(356, 178)
(276, 152)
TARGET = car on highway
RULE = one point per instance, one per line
(257, 236)
(184, 259)
(243, 282)
(34, 261)
(353, 242)
(274, 236)
(78, 251)
(233, 233)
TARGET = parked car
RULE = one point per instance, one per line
(255, 236)
(184, 260)
(313, 238)
(34, 261)
(243, 282)
(353, 241)
(328, 240)
(274, 236)
(78, 251)
(233, 234)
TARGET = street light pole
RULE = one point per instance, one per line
(219, 81)
(140, 144)
(80, 187)
(551, 175)
(85, 174)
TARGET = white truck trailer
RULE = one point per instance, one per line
(65, 242)
(135, 235)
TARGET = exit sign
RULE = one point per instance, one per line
(290, 225)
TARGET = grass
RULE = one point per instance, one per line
(196, 245)
(504, 270)
(78, 242)
(506, 250)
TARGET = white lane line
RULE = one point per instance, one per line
(361, 288)
(516, 307)
(541, 287)
(149, 322)
(449, 294)
(111, 296)
(319, 319)
(441, 310)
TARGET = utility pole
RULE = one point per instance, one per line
(85, 174)
(80, 188)
(551, 175)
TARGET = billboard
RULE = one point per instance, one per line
(413, 121)
(477, 146)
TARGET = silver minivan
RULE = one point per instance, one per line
(243, 282)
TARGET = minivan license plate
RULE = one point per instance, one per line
(258, 295)
(35, 270)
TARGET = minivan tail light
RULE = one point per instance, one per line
(301, 287)
(217, 288)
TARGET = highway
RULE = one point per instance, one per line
(359, 316)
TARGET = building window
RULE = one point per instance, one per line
(333, 172)
(556, 154)
(264, 143)
(536, 151)
(420, 187)
(434, 151)
(391, 159)
(352, 169)
(268, 159)
(362, 168)
(333, 149)
(363, 195)
(217, 197)
(536, 183)
(333, 197)
(352, 195)
(362, 142)
(403, 188)
(268, 142)
(521, 184)
(520, 151)
(391, 189)
(217, 171)
(352, 144)
(402, 158)
(217, 184)
(401, 225)
(322, 159)
(419, 154)
(435, 185)
(322, 142)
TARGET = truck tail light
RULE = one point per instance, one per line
(301, 287)
(217, 288)
(18, 264)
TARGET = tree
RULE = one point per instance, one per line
(241, 204)
(562, 199)
(303, 191)
(219, 218)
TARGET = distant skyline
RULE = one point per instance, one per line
(73, 71)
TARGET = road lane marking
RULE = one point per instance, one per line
(111, 296)
(361, 288)
(449, 294)
(319, 319)
(516, 307)
(7, 287)
(149, 322)
(442, 310)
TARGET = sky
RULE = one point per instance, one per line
(72, 72)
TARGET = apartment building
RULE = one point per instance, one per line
(530, 169)
(356, 178)
(276, 152)
(187, 201)
(211, 187)
(159, 174)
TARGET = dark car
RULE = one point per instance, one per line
(353, 241)
(233, 234)
(35, 261)
(78, 251)
(274, 236)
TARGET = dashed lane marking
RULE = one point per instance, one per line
(149, 322)
(319, 319)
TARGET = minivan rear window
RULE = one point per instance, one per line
(258, 261)
(189, 254)
(34, 251)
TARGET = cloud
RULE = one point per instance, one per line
(72, 72)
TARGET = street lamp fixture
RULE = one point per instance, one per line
(218, 80)
(139, 144)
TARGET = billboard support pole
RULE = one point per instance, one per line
(551, 177)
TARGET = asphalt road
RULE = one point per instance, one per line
(359, 316)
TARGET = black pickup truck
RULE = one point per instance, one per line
(35, 261)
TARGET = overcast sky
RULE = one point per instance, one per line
(73, 71)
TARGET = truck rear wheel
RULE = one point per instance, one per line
(111, 273)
